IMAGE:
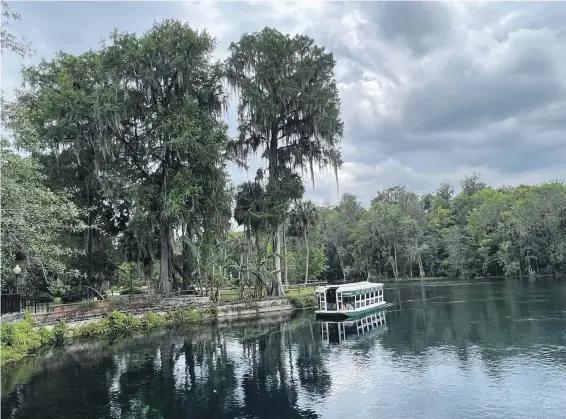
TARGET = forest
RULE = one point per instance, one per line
(114, 174)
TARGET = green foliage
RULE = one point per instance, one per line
(289, 110)
(60, 333)
(9, 42)
(119, 324)
(73, 294)
(131, 291)
(19, 339)
(480, 232)
(183, 315)
(303, 301)
(32, 223)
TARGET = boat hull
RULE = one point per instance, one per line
(352, 314)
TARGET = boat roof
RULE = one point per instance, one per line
(353, 286)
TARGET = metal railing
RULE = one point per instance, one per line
(16, 303)
(11, 303)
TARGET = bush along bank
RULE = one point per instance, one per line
(303, 301)
(18, 340)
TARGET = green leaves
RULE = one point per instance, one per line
(33, 220)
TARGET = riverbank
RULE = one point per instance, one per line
(26, 337)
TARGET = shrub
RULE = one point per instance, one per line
(90, 330)
(60, 333)
(152, 321)
(45, 336)
(120, 323)
(184, 315)
(303, 301)
(19, 339)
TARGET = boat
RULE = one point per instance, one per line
(339, 331)
(349, 300)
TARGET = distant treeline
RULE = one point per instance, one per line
(482, 231)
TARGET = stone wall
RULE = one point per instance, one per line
(184, 301)
(79, 313)
(135, 305)
(251, 308)
(11, 318)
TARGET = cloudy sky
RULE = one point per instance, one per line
(430, 91)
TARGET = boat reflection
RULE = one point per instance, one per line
(339, 331)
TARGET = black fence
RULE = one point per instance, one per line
(11, 303)
(16, 303)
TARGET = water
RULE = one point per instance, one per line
(447, 350)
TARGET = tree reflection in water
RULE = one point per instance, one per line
(437, 337)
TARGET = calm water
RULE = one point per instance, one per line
(447, 350)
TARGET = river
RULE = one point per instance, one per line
(483, 349)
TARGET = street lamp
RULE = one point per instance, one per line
(17, 270)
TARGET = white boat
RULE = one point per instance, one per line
(349, 300)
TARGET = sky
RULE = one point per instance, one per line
(430, 91)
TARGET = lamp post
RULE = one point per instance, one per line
(17, 270)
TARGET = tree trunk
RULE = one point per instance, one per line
(395, 267)
(247, 248)
(307, 260)
(88, 243)
(147, 272)
(341, 262)
(165, 273)
(421, 268)
(419, 260)
(277, 287)
(286, 278)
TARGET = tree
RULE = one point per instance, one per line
(33, 220)
(303, 217)
(288, 108)
(8, 42)
(337, 225)
(166, 132)
(55, 118)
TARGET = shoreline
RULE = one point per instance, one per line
(476, 278)
(27, 337)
